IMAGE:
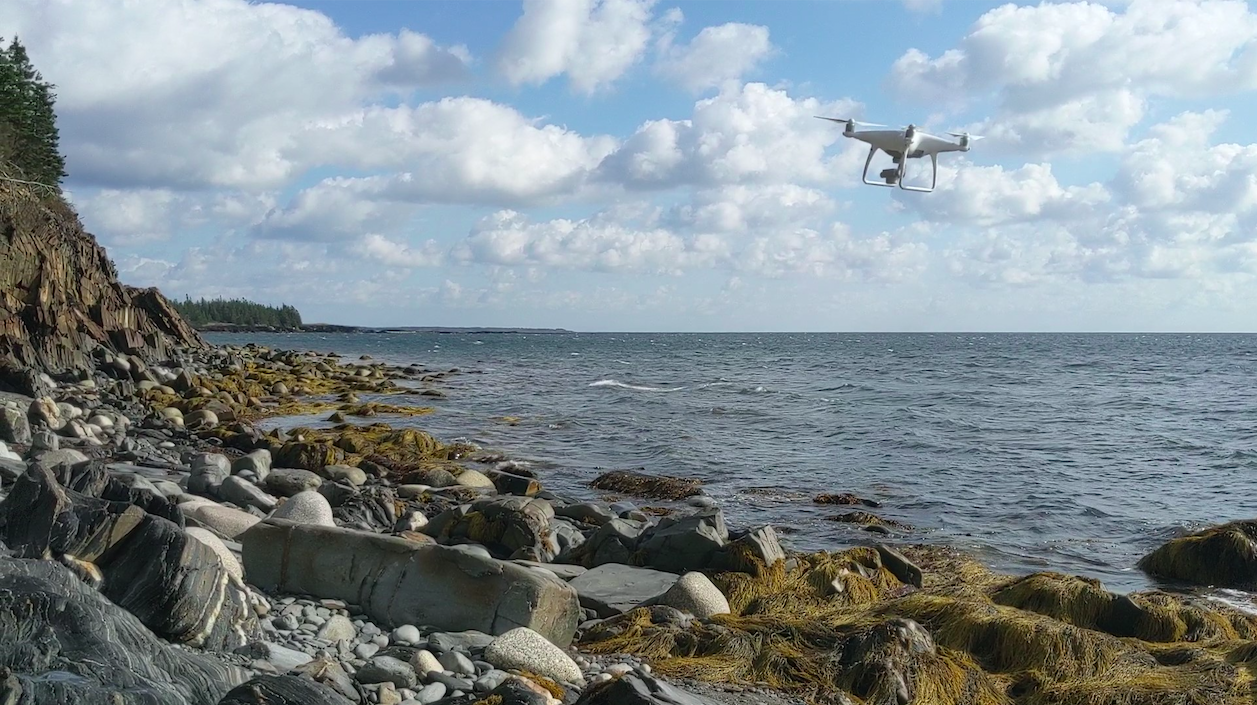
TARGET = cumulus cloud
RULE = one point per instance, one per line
(397, 254)
(593, 42)
(746, 133)
(718, 54)
(332, 210)
(187, 94)
(1076, 76)
(1179, 207)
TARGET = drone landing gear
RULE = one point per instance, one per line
(894, 176)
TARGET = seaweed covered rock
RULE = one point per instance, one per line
(60, 299)
(62, 642)
(177, 586)
(398, 582)
(510, 527)
(843, 628)
(283, 690)
(1221, 556)
(642, 485)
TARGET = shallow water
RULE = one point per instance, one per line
(1077, 453)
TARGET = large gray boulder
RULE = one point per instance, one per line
(62, 642)
(684, 543)
(399, 582)
(612, 589)
(283, 690)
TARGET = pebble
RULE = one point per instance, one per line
(407, 634)
(431, 693)
(366, 651)
(424, 663)
(457, 663)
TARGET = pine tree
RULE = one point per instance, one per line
(29, 139)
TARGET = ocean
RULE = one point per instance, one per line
(1076, 453)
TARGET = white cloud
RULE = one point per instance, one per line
(1179, 207)
(396, 254)
(718, 54)
(741, 208)
(460, 150)
(187, 94)
(335, 209)
(134, 217)
(990, 195)
(834, 253)
(594, 42)
(1077, 76)
(749, 133)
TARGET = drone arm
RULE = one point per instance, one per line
(867, 162)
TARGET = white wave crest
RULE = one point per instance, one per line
(637, 387)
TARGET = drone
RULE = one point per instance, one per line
(902, 145)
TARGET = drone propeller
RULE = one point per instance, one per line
(965, 134)
(854, 122)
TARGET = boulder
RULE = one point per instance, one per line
(612, 589)
(696, 594)
(63, 642)
(613, 542)
(641, 485)
(525, 650)
(684, 543)
(245, 494)
(224, 520)
(14, 428)
(747, 552)
(257, 462)
(307, 507)
(283, 690)
(397, 582)
(344, 473)
(475, 478)
(287, 482)
(208, 472)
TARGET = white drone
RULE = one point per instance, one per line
(902, 145)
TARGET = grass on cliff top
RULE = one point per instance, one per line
(839, 628)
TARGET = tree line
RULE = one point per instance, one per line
(237, 311)
(29, 140)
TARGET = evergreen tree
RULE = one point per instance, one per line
(238, 311)
(29, 139)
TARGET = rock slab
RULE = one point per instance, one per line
(399, 582)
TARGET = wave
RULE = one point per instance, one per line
(636, 387)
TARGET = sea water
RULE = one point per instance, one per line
(1075, 453)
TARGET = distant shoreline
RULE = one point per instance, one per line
(333, 328)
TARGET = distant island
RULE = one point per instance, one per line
(244, 316)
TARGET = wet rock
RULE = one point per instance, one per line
(397, 582)
(383, 669)
(287, 482)
(474, 478)
(432, 477)
(642, 485)
(612, 589)
(219, 548)
(510, 483)
(224, 520)
(116, 660)
(845, 498)
(282, 690)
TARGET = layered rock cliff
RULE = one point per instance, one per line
(61, 301)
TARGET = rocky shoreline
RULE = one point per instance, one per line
(371, 564)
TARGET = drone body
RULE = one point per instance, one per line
(902, 145)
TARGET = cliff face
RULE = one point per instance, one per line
(60, 298)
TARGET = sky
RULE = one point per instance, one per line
(648, 165)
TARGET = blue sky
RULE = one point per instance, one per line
(650, 165)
